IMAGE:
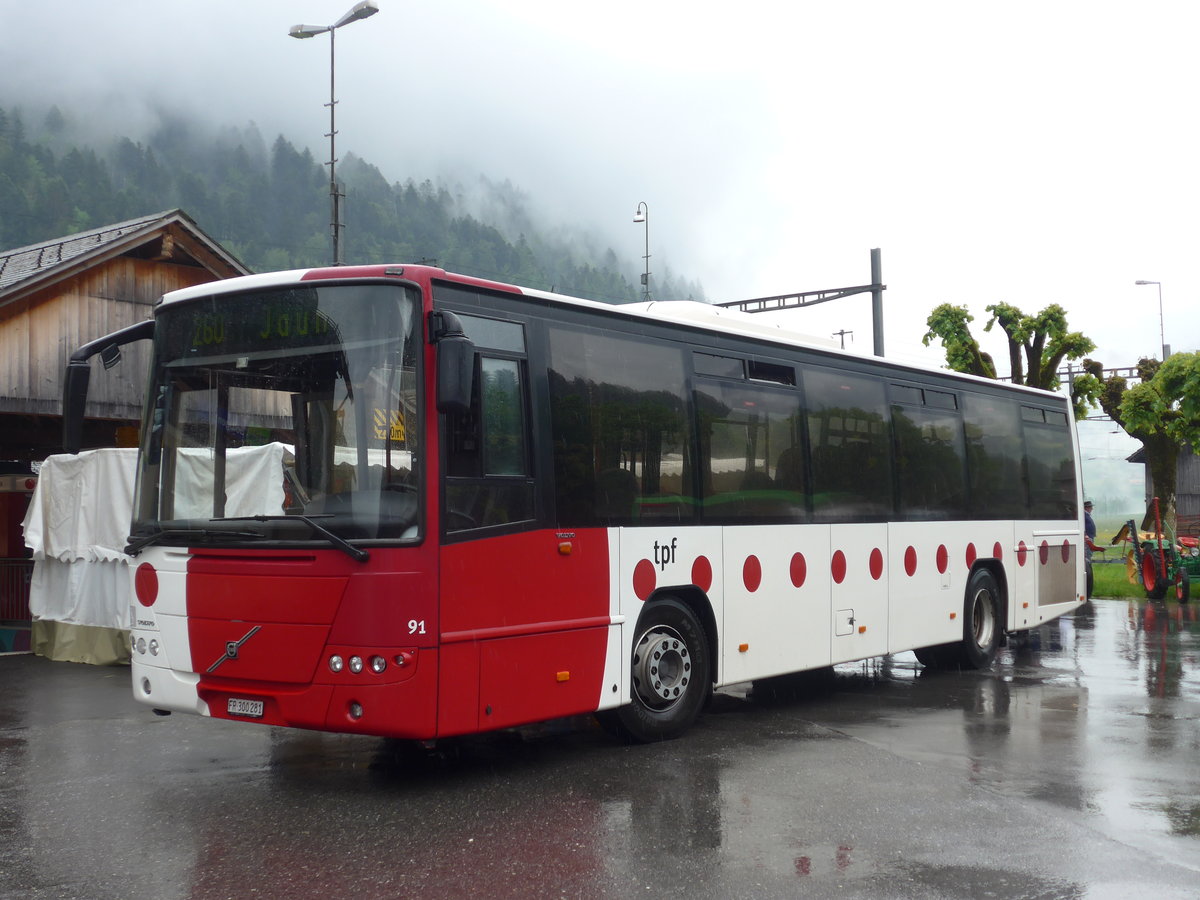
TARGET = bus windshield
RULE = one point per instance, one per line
(283, 415)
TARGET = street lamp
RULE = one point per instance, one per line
(1162, 335)
(360, 10)
(643, 215)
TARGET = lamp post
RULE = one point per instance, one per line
(1162, 335)
(360, 10)
(643, 215)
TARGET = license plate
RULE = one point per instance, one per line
(252, 708)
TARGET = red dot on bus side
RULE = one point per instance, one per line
(799, 569)
(998, 551)
(752, 573)
(943, 558)
(145, 584)
(1022, 553)
(702, 573)
(971, 554)
(876, 564)
(644, 579)
(1044, 552)
(910, 561)
(1066, 551)
(837, 567)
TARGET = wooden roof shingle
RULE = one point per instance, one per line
(26, 269)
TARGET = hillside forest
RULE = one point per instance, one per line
(269, 206)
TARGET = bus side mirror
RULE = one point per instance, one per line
(75, 390)
(455, 363)
(79, 373)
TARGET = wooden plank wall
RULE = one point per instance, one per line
(1187, 485)
(38, 337)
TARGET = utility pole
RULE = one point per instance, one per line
(810, 298)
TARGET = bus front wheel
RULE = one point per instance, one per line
(670, 674)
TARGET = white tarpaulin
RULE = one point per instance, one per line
(78, 523)
(82, 506)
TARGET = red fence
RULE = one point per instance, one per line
(15, 575)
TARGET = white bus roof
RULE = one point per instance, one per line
(679, 312)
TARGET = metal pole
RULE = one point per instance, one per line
(646, 290)
(1162, 334)
(335, 210)
(642, 214)
(877, 300)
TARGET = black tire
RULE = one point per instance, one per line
(1152, 580)
(1182, 586)
(932, 657)
(981, 621)
(671, 674)
(981, 629)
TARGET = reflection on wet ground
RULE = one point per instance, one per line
(1104, 719)
(1070, 770)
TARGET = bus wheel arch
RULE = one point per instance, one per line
(672, 668)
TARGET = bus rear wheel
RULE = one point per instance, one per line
(981, 621)
(671, 674)
(981, 629)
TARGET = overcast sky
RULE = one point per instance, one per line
(1027, 152)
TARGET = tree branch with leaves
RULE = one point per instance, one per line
(1037, 345)
(1162, 411)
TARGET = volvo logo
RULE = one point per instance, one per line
(232, 647)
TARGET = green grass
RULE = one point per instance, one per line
(1109, 580)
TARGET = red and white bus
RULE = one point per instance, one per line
(395, 501)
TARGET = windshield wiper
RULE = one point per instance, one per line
(336, 540)
(139, 541)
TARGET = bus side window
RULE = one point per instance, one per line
(488, 473)
(619, 429)
(849, 431)
(751, 458)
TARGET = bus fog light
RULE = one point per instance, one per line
(141, 646)
(335, 664)
(154, 647)
(378, 664)
(356, 710)
(146, 686)
(356, 664)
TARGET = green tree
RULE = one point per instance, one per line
(1037, 345)
(1162, 411)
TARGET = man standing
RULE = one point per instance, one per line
(1089, 543)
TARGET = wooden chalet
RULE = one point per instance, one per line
(60, 294)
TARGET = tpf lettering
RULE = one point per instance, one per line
(664, 555)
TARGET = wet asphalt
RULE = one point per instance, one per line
(1071, 770)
